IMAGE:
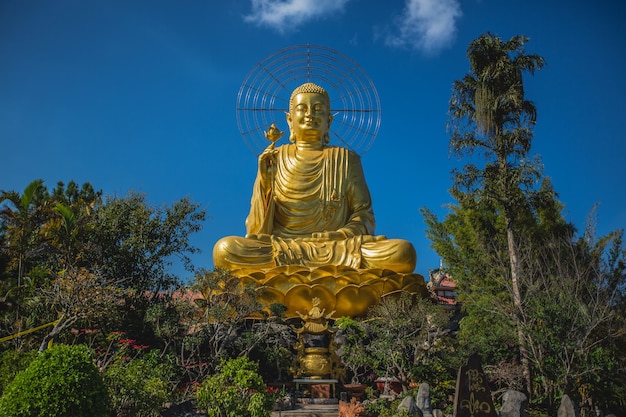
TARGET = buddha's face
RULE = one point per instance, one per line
(309, 118)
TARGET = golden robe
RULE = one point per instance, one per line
(312, 192)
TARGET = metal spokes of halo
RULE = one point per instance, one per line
(263, 98)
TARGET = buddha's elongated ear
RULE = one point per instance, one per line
(292, 136)
(326, 135)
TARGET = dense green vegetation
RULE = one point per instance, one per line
(61, 382)
(543, 304)
(237, 389)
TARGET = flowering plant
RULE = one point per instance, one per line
(118, 349)
(137, 377)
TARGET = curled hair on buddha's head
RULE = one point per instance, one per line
(309, 88)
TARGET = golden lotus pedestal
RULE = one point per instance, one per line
(344, 290)
(324, 293)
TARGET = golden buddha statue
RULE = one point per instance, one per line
(311, 209)
(311, 205)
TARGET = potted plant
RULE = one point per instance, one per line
(387, 385)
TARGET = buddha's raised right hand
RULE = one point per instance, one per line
(267, 166)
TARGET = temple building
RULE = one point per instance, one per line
(443, 287)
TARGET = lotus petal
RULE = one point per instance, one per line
(284, 283)
(267, 296)
(246, 280)
(334, 284)
(369, 274)
(330, 270)
(387, 284)
(299, 299)
(354, 300)
(288, 270)
(253, 272)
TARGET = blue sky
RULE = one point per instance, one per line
(140, 95)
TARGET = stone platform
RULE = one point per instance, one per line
(310, 410)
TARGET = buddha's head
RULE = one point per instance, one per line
(309, 115)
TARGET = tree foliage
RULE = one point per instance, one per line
(528, 283)
(139, 242)
(491, 116)
(396, 337)
(352, 338)
(402, 332)
(225, 306)
(574, 312)
(68, 255)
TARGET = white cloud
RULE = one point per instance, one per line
(426, 25)
(286, 15)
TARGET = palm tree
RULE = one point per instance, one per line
(68, 232)
(21, 216)
(490, 115)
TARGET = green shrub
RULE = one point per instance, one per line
(11, 362)
(383, 407)
(139, 386)
(378, 407)
(237, 390)
(61, 382)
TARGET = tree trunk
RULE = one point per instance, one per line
(58, 327)
(517, 303)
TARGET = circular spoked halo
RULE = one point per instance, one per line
(264, 95)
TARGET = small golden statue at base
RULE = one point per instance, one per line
(316, 357)
(315, 322)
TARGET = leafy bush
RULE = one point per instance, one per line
(353, 339)
(382, 407)
(12, 362)
(139, 386)
(61, 382)
(237, 390)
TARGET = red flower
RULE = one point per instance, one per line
(141, 347)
